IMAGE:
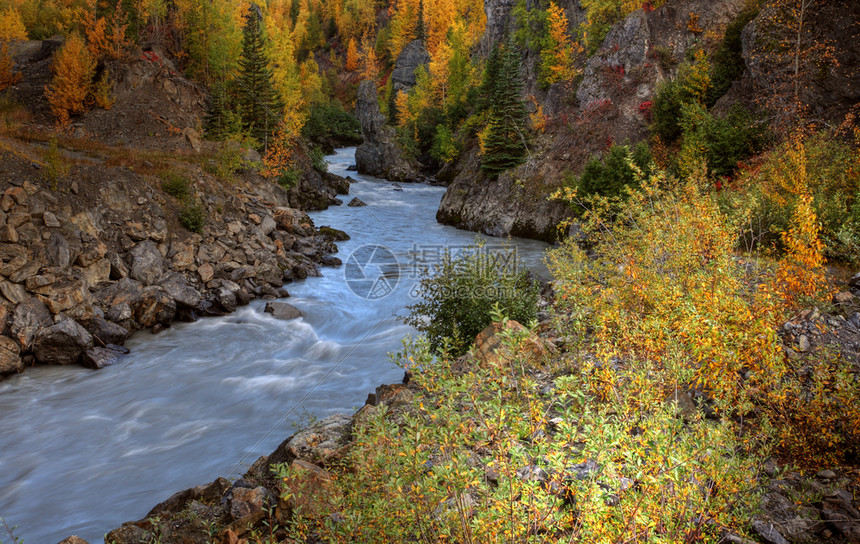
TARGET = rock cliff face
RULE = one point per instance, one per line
(380, 154)
(499, 207)
(412, 56)
(604, 108)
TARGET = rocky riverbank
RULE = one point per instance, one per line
(87, 264)
(795, 506)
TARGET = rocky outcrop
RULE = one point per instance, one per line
(380, 155)
(80, 272)
(499, 207)
(606, 107)
(410, 59)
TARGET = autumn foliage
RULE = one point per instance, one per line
(73, 68)
(11, 25)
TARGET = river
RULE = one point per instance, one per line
(84, 451)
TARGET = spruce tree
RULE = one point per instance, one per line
(504, 145)
(257, 100)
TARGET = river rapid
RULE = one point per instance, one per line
(84, 451)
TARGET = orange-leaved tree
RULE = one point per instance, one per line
(557, 60)
(74, 68)
(106, 34)
(351, 56)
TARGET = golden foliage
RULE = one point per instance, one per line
(11, 25)
(106, 35)
(351, 56)
(73, 70)
(558, 59)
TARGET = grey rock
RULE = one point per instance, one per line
(282, 310)
(62, 343)
(356, 202)
(29, 318)
(58, 251)
(119, 312)
(14, 292)
(768, 532)
(51, 220)
(99, 357)
(532, 473)
(825, 474)
(226, 299)
(380, 154)
(267, 225)
(178, 288)
(803, 343)
(412, 56)
(146, 265)
(106, 332)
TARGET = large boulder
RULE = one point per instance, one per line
(283, 310)
(410, 59)
(106, 332)
(380, 154)
(154, 307)
(146, 265)
(62, 343)
(29, 318)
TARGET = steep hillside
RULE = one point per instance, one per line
(129, 221)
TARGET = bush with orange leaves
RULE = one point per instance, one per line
(74, 68)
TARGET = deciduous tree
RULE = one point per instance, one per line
(73, 69)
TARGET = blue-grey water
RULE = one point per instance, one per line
(82, 451)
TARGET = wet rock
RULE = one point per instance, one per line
(179, 290)
(74, 539)
(282, 310)
(106, 332)
(154, 307)
(146, 265)
(356, 202)
(28, 318)
(62, 343)
(334, 234)
(10, 356)
(99, 357)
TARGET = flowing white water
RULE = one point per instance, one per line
(84, 451)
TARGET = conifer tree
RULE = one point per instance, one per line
(504, 142)
(257, 100)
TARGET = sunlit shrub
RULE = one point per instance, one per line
(456, 298)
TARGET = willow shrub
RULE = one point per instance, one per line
(456, 298)
(664, 288)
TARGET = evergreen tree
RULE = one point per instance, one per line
(504, 141)
(257, 101)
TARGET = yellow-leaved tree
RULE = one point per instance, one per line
(74, 68)
(557, 60)
(11, 26)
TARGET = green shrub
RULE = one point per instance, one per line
(727, 63)
(458, 297)
(288, 178)
(56, 166)
(329, 124)
(609, 176)
(445, 147)
(192, 216)
(666, 112)
(318, 159)
(175, 184)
